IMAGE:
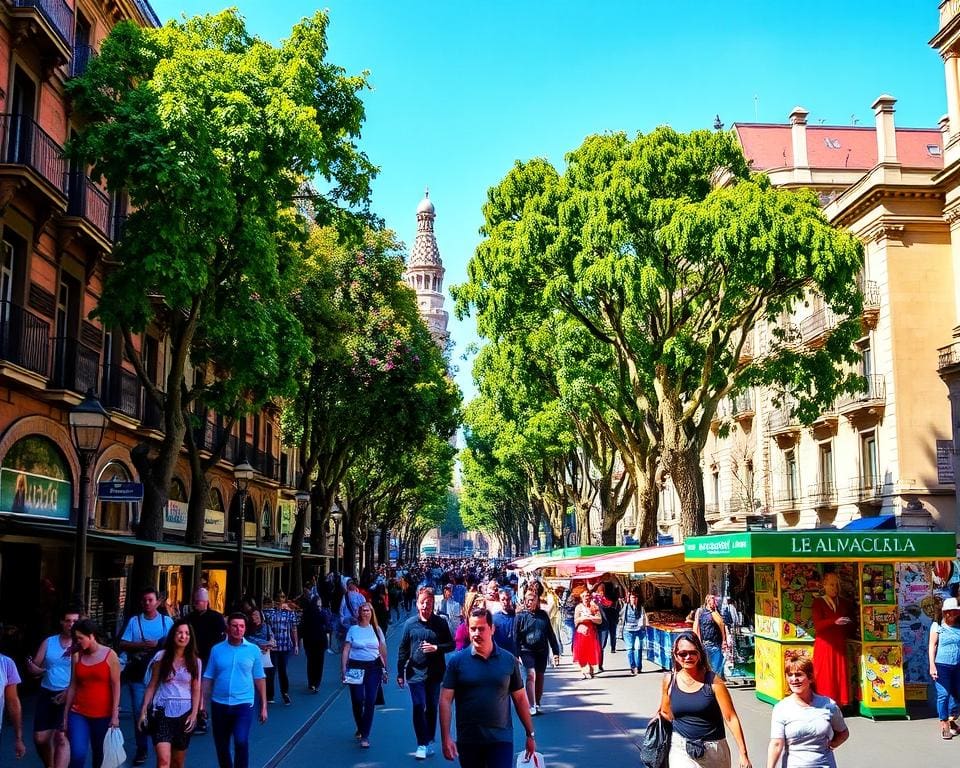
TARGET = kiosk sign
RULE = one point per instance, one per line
(787, 546)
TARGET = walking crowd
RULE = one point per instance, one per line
(472, 649)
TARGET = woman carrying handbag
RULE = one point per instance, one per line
(363, 669)
(699, 706)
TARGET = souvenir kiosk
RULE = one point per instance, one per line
(789, 567)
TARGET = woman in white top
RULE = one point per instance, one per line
(365, 650)
(174, 693)
(809, 726)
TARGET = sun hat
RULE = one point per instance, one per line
(950, 604)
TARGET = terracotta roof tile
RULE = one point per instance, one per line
(770, 146)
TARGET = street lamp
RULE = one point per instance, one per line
(88, 422)
(566, 536)
(242, 475)
(337, 517)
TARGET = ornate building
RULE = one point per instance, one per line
(424, 274)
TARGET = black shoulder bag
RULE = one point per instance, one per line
(656, 740)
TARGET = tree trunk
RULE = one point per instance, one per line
(384, 550)
(196, 508)
(348, 563)
(296, 549)
(687, 477)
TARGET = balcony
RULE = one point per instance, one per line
(823, 495)
(948, 357)
(152, 418)
(816, 328)
(711, 511)
(867, 490)
(76, 367)
(262, 462)
(88, 211)
(45, 25)
(871, 303)
(30, 156)
(746, 351)
(742, 407)
(782, 421)
(868, 402)
(784, 336)
(24, 340)
(721, 414)
(786, 502)
(121, 391)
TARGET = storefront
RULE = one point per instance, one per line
(789, 569)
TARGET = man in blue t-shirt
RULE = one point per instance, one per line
(483, 679)
(231, 679)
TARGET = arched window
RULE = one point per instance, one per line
(266, 523)
(115, 515)
(177, 491)
(35, 479)
(214, 520)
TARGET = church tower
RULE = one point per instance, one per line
(424, 274)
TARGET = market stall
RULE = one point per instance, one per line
(809, 579)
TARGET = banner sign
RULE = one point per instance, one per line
(175, 516)
(213, 521)
(822, 546)
(119, 490)
(288, 515)
(25, 493)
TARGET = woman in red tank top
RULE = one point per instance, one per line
(93, 698)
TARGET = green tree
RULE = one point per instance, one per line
(667, 251)
(210, 131)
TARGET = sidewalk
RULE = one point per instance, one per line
(269, 742)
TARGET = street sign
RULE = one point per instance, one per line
(119, 490)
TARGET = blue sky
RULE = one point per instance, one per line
(461, 90)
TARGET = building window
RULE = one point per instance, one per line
(792, 474)
(869, 472)
(826, 467)
(266, 523)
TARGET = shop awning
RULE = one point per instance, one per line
(880, 522)
(821, 546)
(250, 552)
(643, 560)
(164, 552)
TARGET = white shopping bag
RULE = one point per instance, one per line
(535, 761)
(113, 754)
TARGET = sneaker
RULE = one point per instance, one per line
(431, 749)
(140, 758)
(633, 670)
(365, 743)
(539, 709)
(533, 711)
(421, 753)
(286, 698)
(313, 689)
(271, 701)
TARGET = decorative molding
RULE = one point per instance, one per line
(889, 232)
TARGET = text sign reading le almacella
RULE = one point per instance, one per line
(784, 546)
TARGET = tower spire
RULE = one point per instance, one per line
(425, 272)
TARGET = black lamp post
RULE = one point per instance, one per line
(88, 422)
(337, 517)
(242, 475)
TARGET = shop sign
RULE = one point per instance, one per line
(213, 521)
(119, 490)
(25, 493)
(175, 516)
(287, 510)
(785, 546)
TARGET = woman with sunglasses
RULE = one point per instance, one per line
(698, 703)
(364, 648)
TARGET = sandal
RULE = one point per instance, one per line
(945, 732)
(954, 726)
(364, 743)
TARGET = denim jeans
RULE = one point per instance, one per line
(634, 642)
(363, 698)
(425, 697)
(948, 690)
(566, 631)
(715, 657)
(497, 754)
(86, 736)
(232, 721)
(137, 691)
(279, 659)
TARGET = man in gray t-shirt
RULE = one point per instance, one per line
(482, 679)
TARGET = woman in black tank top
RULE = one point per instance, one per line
(698, 703)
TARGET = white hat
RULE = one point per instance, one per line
(950, 604)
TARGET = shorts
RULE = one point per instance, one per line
(169, 730)
(49, 715)
(536, 660)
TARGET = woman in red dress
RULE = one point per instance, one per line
(586, 644)
(832, 622)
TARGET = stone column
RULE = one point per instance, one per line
(953, 91)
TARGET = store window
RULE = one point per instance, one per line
(115, 515)
(35, 480)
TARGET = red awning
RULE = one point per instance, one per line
(646, 560)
